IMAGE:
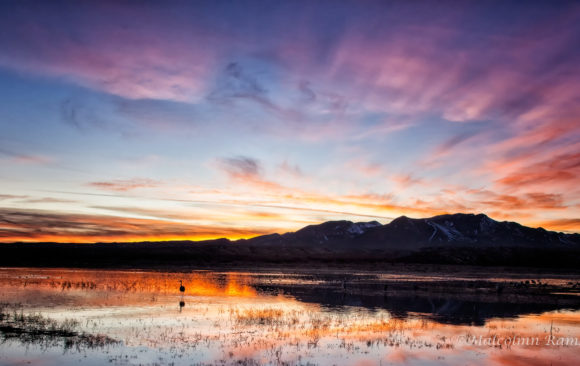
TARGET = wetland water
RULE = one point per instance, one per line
(95, 317)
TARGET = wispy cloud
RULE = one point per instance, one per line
(247, 171)
(47, 200)
(36, 225)
(557, 170)
(134, 60)
(240, 167)
(124, 185)
(20, 158)
(291, 169)
(11, 197)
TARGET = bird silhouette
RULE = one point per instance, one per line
(181, 287)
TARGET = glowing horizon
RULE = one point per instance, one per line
(174, 121)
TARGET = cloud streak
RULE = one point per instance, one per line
(124, 185)
(37, 225)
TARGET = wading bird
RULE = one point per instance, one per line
(181, 287)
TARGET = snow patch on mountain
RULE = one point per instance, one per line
(360, 227)
(446, 229)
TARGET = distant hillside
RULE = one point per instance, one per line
(446, 239)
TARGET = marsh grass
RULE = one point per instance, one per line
(260, 317)
(38, 329)
(279, 333)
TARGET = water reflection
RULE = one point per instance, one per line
(464, 301)
(276, 318)
(445, 308)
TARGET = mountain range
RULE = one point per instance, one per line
(403, 233)
(445, 239)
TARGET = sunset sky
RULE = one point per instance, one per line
(138, 120)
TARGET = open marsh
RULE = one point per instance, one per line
(94, 317)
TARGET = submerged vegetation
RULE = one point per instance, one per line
(47, 332)
(259, 317)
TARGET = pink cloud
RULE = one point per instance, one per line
(126, 55)
(22, 158)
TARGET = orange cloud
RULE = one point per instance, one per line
(37, 225)
(571, 225)
(563, 168)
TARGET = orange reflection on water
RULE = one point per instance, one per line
(226, 320)
(206, 285)
(91, 283)
(404, 341)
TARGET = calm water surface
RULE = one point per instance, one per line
(270, 318)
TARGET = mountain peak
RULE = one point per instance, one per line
(331, 232)
(401, 220)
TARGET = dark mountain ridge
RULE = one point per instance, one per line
(445, 239)
(403, 233)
